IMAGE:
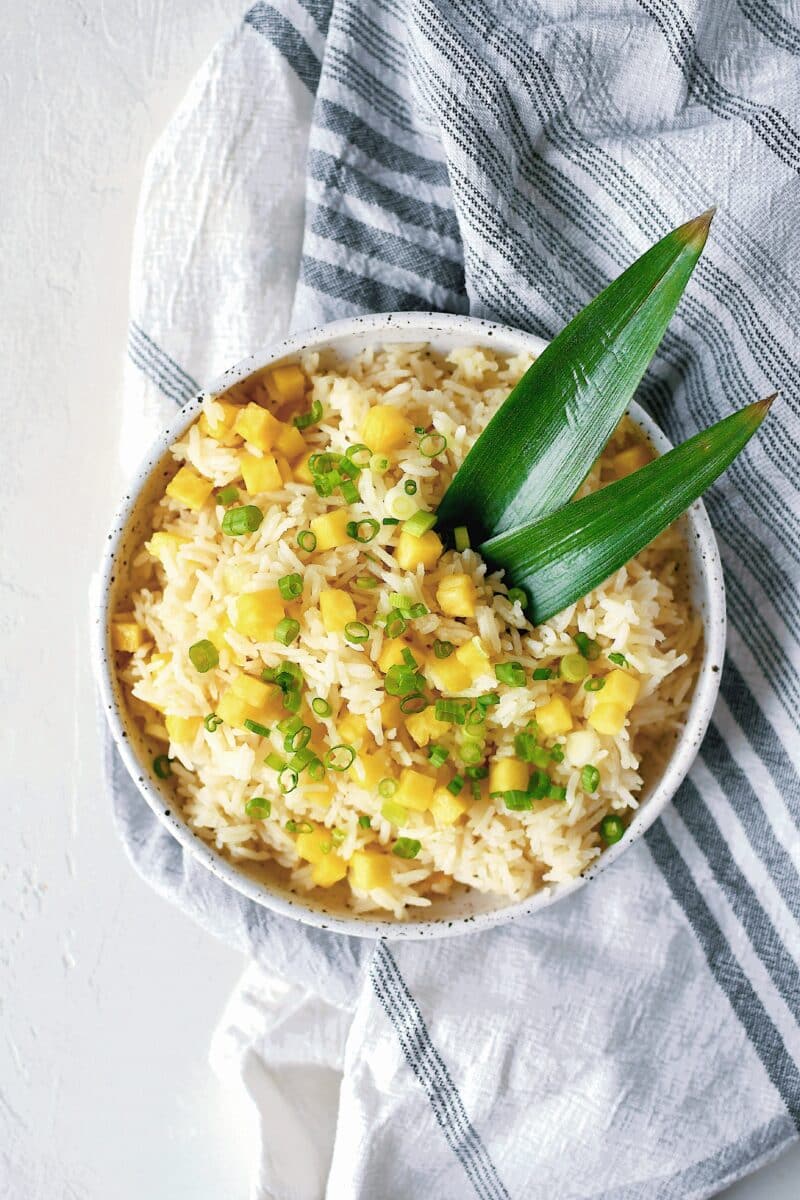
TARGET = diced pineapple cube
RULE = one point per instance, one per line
(164, 546)
(369, 869)
(456, 596)
(126, 634)
(508, 775)
(630, 460)
(329, 871)
(314, 846)
(319, 794)
(257, 614)
(302, 471)
(235, 711)
(412, 552)
(286, 473)
(189, 488)
(385, 428)
(260, 474)
(581, 747)
(369, 769)
(219, 422)
(330, 529)
(182, 730)
(473, 656)
(352, 729)
(391, 654)
(423, 726)
(391, 713)
(607, 718)
(448, 674)
(554, 717)
(621, 688)
(446, 808)
(257, 425)
(253, 691)
(415, 790)
(337, 609)
(289, 441)
(285, 384)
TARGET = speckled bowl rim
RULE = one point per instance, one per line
(709, 595)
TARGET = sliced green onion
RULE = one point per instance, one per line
(390, 521)
(452, 711)
(292, 700)
(340, 757)
(408, 658)
(356, 631)
(416, 611)
(290, 725)
(359, 455)
(363, 531)
(394, 813)
(554, 792)
(419, 523)
(204, 655)
(287, 780)
(432, 444)
(321, 707)
(227, 495)
(399, 601)
(406, 847)
(161, 766)
(366, 582)
(524, 746)
(287, 676)
(476, 716)
(275, 761)
(364, 822)
(443, 649)
(419, 429)
(387, 788)
(299, 739)
(574, 668)
(438, 755)
(349, 469)
(286, 631)
(314, 414)
(395, 625)
(619, 660)
(402, 681)
(477, 772)
(557, 754)
(461, 536)
(595, 684)
(212, 722)
(588, 647)
(379, 463)
(471, 751)
(410, 487)
(242, 520)
(612, 829)
(290, 586)
(400, 505)
(316, 769)
(487, 700)
(307, 540)
(254, 727)
(415, 702)
(338, 836)
(517, 801)
(517, 596)
(543, 673)
(324, 485)
(538, 784)
(259, 807)
(323, 464)
(301, 759)
(456, 784)
(512, 673)
(590, 778)
(350, 493)
(298, 826)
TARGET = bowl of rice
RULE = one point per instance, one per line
(351, 721)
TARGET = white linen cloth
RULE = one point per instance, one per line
(507, 158)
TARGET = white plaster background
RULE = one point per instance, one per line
(107, 995)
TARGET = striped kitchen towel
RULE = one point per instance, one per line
(508, 158)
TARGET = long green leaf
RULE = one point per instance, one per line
(561, 557)
(536, 451)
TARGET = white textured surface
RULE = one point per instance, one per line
(107, 995)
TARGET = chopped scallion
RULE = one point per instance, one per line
(299, 739)
(321, 707)
(542, 673)
(612, 829)
(471, 752)
(364, 822)
(399, 601)
(443, 649)
(286, 631)
(275, 761)
(394, 813)
(290, 586)
(574, 668)
(258, 807)
(512, 673)
(242, 520)
(306, 540)
(538, 784)
(619, 660)
(366, 583)
(432, 444)
(390, 521)
(387, 788)
(356, 631)
(420, 523)
(557, 754)
(438, 755)
(363, 531)
(555, 792)
(406, 847)
(350, 493)
(227, 495)
(254, 727)
(395, 625)
(461, 537)
(340, 757)
(517, 801)
(161, 766)
(314, 414)
(589, 648)
(590, 778)
(595, 684)
(456, 784)
(517, 596)
(452, 711)
(290, 725)
(212, 722)
(410, 487)
(287, 780)
(379, 463)
(204, 655)
(415, 702)
(416, 611)
(359, 455)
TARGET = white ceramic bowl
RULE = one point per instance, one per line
(452, 915)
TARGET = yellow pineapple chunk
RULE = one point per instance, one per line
(284, 470)
(474, 658)
(330, 529)
(330, 870)
(190, 489)
(257, 614)
(423, 726)
(630, 460)
(412, 551)
(260, 474)
(337, 609)
(219, 422)
(164, 546)
(352, 729)
(391, 713)
(285, 384)
(508, 775)
(302, 471)
(448, 674)
(314, 846)
(289, 441)
(391, 654)
(369, 869)
(369, 769)
(253, 691)
(182, 730)
(621, 688)
(554, 718)
(456, 596)
(446, 808)
(385, 428)
(257, 426)
(126, 634)
(607, 718)
(415, 790)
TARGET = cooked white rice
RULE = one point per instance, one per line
(640, 612)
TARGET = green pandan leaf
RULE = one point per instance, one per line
(536, 451)
(559, 558)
